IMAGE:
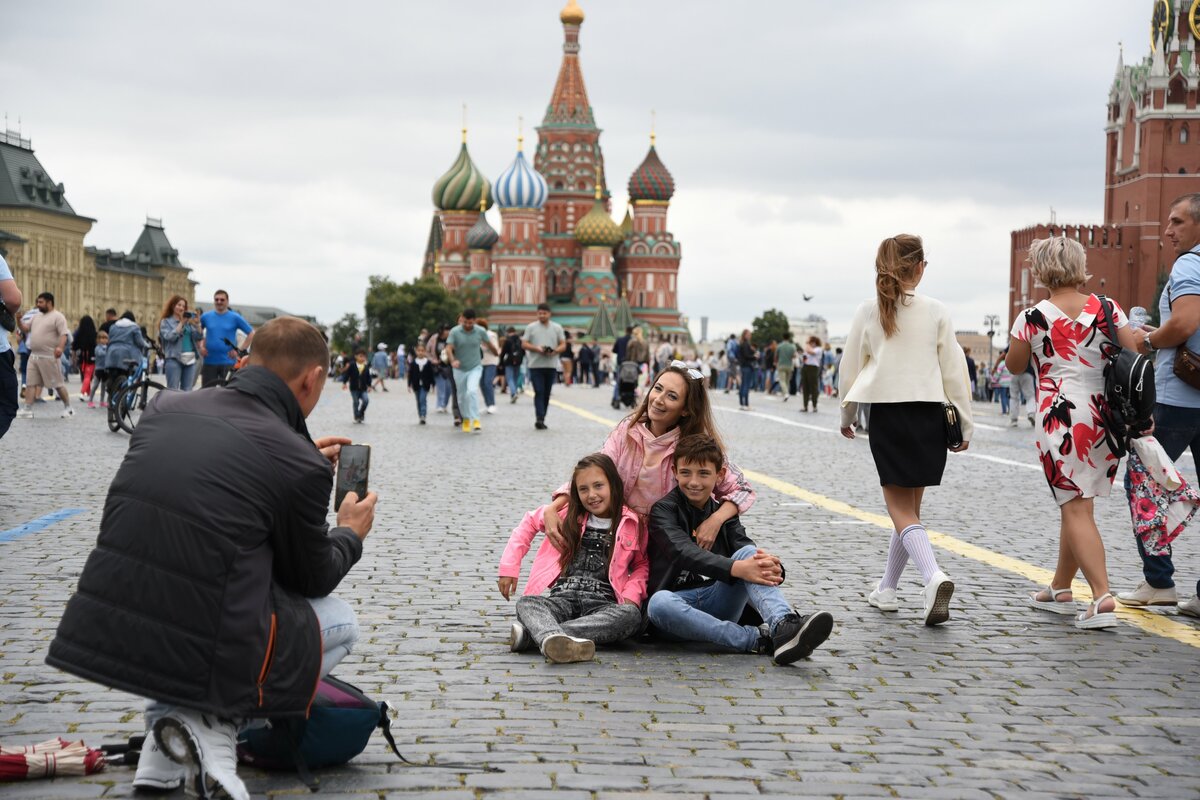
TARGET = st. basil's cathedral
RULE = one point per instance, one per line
(557, 242)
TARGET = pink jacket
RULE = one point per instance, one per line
(627, 572)
(644, 464)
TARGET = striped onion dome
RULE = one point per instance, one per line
(597, 229)
(521, 186)
(651, 181)
(482, 235)
(463, 186)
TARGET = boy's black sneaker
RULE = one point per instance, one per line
(796, 637)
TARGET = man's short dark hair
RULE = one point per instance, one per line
(112, 311)
(289, 345)
(628, 330)
(469, 313)
(49, 298)
(1192, 201)
(787, 336)
(699, 448)
(221, 291)
(543, 307)
(511, 329)
(360, 352)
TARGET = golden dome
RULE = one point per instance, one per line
(572, 14)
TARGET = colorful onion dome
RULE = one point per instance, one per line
(521, 186)
(597, 229)
(651, 181)
(482, 235)
(571, 14)
(463, 186)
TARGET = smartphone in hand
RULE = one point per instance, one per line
(354, 464)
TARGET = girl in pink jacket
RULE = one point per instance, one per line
(596, 581)
(642, 445)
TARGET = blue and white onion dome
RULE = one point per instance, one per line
(520, 186)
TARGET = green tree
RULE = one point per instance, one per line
(346, 333)
(771, 326)
(398, 311)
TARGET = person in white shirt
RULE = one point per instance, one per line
(889, 362)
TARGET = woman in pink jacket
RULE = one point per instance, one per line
(596, 578)
(642, 445)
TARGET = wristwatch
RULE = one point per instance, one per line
(1149, 346)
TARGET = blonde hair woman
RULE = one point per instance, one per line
(902, 358)
(1066, 335)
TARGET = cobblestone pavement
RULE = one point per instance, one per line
(1002, 701)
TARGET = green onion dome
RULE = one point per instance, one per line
(463, 186)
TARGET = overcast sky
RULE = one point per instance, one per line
(291, 147)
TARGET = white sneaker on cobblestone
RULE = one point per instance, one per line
(25, 413)
(1191, 607)
(518, 638)
(157, 772)
(207, 747)
(67, 412)
(563, 649)
(884, 599)
(937, 598)
(1147, 595)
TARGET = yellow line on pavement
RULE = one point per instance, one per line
(1158, 624)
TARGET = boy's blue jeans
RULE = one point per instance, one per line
(710, 613)
(422, 406)
(360, 403)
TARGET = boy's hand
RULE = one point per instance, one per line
(507, 586)
(706, 534)
(761, 568)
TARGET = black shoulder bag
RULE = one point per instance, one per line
(1128, 385)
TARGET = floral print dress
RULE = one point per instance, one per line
(1076, 443)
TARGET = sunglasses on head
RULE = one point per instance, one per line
(694, 374)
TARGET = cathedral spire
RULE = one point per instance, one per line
(569, 104)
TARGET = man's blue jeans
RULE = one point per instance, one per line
(747, 383)
(1176, 428)
(511, 378)
(710, 613)
(467, 383)
(542, 379)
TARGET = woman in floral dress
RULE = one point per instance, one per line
(1066, 336)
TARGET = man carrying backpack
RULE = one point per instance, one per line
(209, 587)
(1177, 412)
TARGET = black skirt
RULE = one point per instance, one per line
(908, 441)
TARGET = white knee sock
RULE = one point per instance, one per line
(916, 542)
(896, 561)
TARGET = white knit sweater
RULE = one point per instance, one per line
(922, 362)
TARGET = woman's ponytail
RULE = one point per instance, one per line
(896, 264)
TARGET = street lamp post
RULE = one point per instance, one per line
(991, 321)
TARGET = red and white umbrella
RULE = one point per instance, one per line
(49, 759)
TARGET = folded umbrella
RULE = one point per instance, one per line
(49, 759)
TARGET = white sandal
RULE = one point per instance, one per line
(1053, 605)
(1097, 619)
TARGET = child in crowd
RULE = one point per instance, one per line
(700, 594)
(357, 378)
(421, 378)
(100, 377)
(596, 582)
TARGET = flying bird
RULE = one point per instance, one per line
(806, 297)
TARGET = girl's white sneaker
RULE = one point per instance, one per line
(937, 598)
(884, 599)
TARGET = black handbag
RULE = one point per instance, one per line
(953, 423)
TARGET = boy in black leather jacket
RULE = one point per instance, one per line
(699, 595)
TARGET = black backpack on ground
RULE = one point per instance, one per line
(1128, 384)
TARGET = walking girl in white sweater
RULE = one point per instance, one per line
(903, 359)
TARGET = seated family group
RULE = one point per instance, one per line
(653, 521)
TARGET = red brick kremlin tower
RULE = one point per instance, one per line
(1152, 157)
(557, 240)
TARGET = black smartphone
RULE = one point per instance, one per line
(188, 314)
(354, 463)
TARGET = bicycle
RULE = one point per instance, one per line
(243, 357)
(130, 397)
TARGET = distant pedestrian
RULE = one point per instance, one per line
(47, 334)
(219, 347)
(179, 335)
(381, 366)
(902, 358)
(567, 360)
(544, 340)
(125, 346)
(663, 356)
(491, 362)
(10, 299)
(100, 376)
(620, 356)
(810, 372)
(464, 348)
(1067, 336)
(972, 372)
(421, 376)
(512, 355)
(1022, 391)
(785, 355)
(434, 346)
(83, 346)
(747, 360)
(358, 377)
(585, 363)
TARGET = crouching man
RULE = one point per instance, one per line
(208, 589)
(700, 595)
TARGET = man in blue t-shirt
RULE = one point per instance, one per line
(1177, 413)
(219, 325)
(10, 300)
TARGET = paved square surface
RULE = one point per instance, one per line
(1002, 701)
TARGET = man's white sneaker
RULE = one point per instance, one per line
(491, 409)
(884, 599)
(1147, 595)
(25, 413)
(1191, 607)
(207, 747)
(67, 412)
(937, 598)
(157, 772)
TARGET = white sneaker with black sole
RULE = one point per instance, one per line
(206, 747)
(937, 598)
(155, 771)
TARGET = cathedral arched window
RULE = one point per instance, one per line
(1183, 134)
